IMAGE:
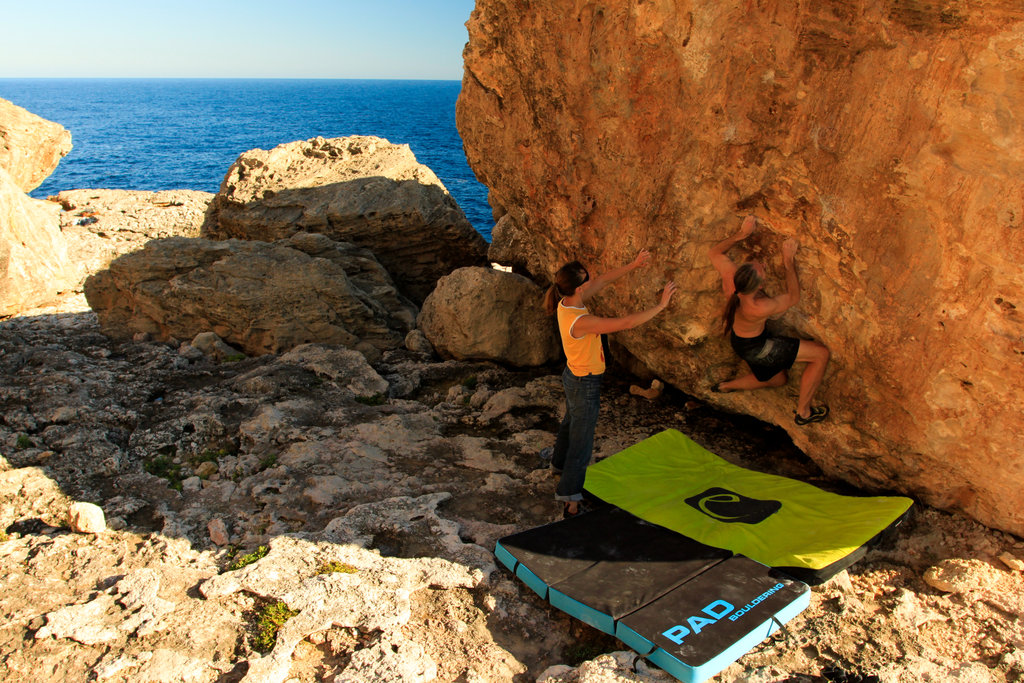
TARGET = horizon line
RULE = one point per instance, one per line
(221, 78)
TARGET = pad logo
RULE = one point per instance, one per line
(716, 610)
(731, 507)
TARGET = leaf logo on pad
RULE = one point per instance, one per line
(733, 508)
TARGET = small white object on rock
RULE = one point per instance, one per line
(654, 392)
(86, 518)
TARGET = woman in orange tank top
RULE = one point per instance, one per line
(581, 339)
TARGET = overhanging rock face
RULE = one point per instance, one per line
(885, 135)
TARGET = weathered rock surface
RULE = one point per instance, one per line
(511, 247)
(34, 263)
(259, 297)
(86, 518)
(488, 314)
(30, 146)
(410, 491)
(885, 136)
(363, 190)
(101, 225)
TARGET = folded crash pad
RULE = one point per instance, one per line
(811, 534)
(689, 608)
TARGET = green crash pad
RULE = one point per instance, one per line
(671, 481)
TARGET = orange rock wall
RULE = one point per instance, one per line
(887, 136)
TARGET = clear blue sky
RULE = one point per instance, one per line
(234, 38)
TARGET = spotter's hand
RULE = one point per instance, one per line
(641, 259)
(666, 294)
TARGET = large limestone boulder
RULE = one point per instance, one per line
(30, 146)
(34, 264)
(257, 296)
(101, 225)
(488, 314)
(363, 190)
(885, 136)
(512, 247)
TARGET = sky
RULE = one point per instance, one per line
(417, 39)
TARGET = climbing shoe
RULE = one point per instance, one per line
(818, 413)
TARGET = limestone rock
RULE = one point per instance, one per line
(259, 297)
(101, 225)
(1012, 561)
(86, 518)
(363, 190)
(30, 146)
(488, 314)
(417, 342)
(83, 623)
(210, 344)
(613, 667)
(978, 579)
(396, 661)
(346, 367)
(883, 135)
(511, 247)
(413, 494)
(26, 492)
(34, 263)
(218, 531)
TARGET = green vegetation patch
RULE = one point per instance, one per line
(270, 617)
(209, 455)
(163, 466)
(246, 560)
(336, 568)
(470, 382)
(268, 461)
(24, 441)
(234, 357)
(375, 400)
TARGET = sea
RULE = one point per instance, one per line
(184, 134)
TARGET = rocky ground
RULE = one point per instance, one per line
(356, 508)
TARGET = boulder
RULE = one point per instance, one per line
(884, 136)
(363, 190)
(257, 296)
(86, 518)
(30, 146)
(511, 248)
(212, 346)
(101, 225)
(488, 314)
(34, 263)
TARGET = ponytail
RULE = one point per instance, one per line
(729, 314)
(567, 279)
(746, 280)
(551, 300)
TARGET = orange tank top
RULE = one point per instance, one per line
(585, 355)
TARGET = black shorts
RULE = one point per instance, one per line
(766, 355)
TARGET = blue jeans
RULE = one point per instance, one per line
(575, 442)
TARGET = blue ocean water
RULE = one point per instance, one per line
(169, 134)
